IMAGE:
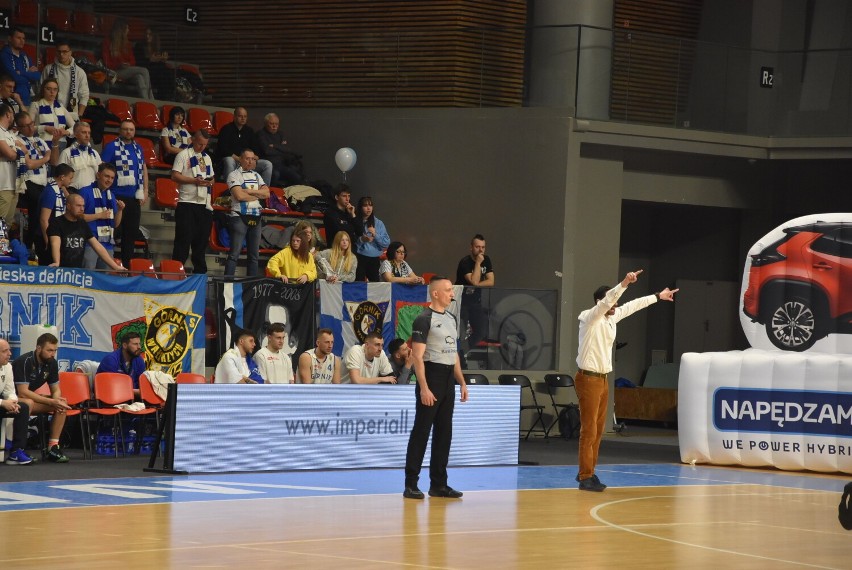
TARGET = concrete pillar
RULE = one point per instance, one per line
(570, 66)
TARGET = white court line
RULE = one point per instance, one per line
(707, 479)
(796, 528)
(594, 513)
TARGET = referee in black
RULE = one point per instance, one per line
(437, 367)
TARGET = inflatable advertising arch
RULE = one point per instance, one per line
(787, 401)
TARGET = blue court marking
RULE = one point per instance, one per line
(294, 484)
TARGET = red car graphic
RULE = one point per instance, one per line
(800, 287)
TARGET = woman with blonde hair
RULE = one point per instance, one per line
(294, 263)
(337, 264)
(118, 56)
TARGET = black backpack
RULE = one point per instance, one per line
(569, 421)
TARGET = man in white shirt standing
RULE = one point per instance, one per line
(81, 156)
(73, 83)
(594, 360)
(367, 363)
(12, 408)
(273, 364)
(232, 367)
(8, 165)
(193, 171)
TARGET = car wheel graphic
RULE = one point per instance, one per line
(793, 324)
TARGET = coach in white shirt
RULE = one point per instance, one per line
(594, 360)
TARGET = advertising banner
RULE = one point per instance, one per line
(272, 427)
(787, 402)
(353, 310)
(91, 310)
(253, 304)
(762, 408)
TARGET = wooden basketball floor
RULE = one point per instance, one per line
(652, 516)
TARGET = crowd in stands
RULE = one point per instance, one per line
(81, 203)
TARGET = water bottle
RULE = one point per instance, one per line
(131, 441)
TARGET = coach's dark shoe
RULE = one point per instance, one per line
(445, 492)
(595, 477)
(413, 493)
(592, 484)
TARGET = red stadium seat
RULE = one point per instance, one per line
(121, 109)
(147, 116)
(218, 189)
(113, 388)
(220, 119)
(199, 119)
(84, 22)
(149, 153)
(26, 13)
(166, 194)
(142, 266)
(190, 378)
(151, 399)
(172, 270)
(59, 18)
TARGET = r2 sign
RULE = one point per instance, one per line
(767, 77)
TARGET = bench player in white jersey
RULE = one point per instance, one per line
(320, 366)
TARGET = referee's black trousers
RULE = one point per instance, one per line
(438, 419)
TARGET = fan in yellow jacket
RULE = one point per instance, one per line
(294, 263)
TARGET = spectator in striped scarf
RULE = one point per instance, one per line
(81, 156)
(33, 157)
(247, 189)
(130, 186)
(103, 214)
(174, 137)
(49, 114)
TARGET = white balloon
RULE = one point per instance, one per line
(345, 159)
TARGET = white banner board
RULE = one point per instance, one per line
(792, 411)
(275, 427)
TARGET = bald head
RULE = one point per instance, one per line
(5, 352)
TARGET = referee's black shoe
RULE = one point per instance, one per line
(413, 493)
(445, 492)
